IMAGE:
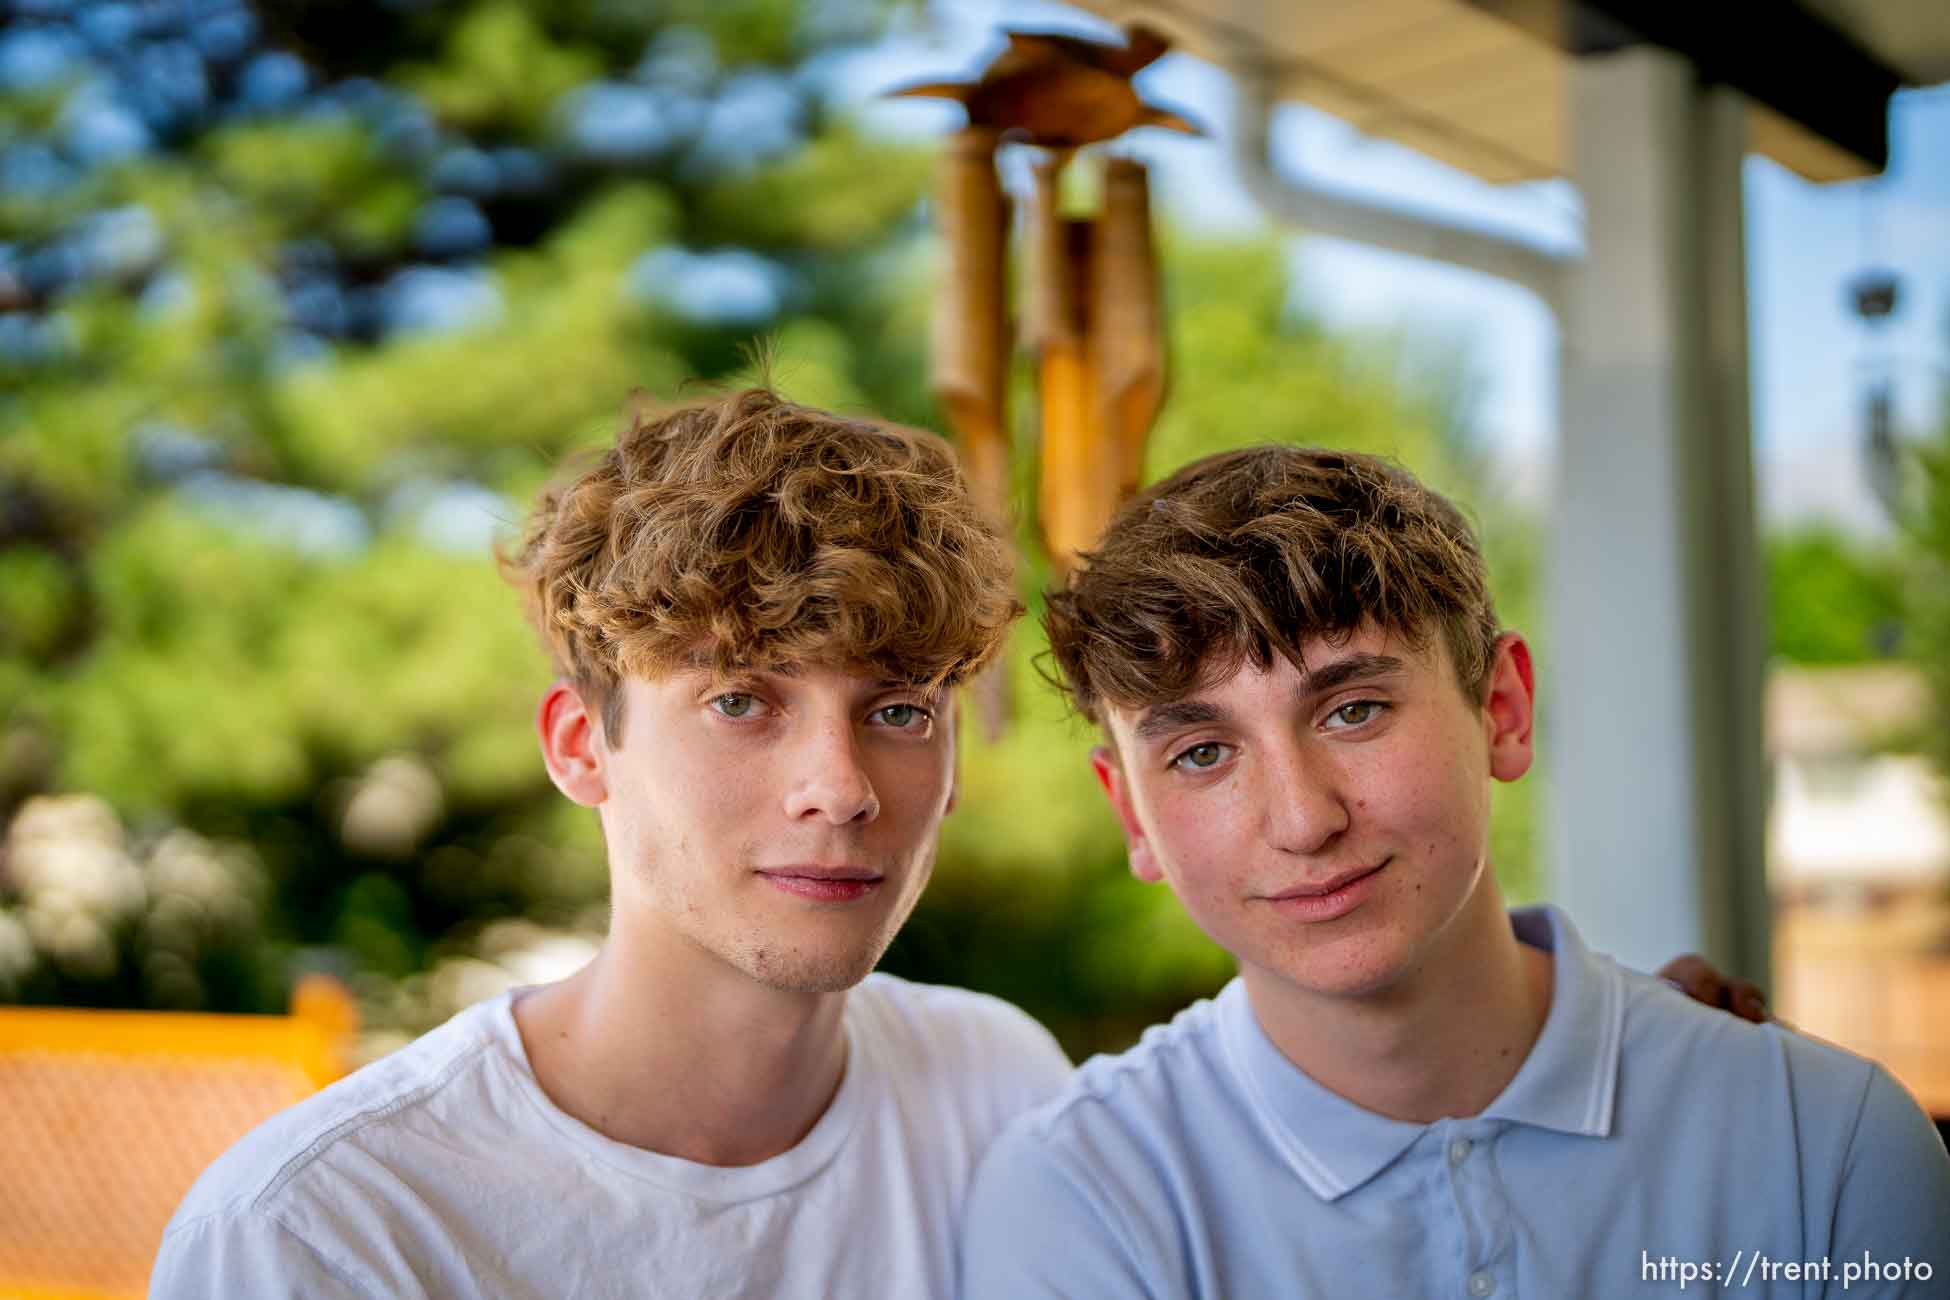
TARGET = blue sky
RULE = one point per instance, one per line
(1809, 355)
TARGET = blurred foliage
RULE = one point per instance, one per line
(1834, 597)
(499, 72)
(289, 334)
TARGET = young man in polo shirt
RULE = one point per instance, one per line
(1408, 1091)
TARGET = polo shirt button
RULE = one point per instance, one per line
(1481, 1283)
(1459, 1152)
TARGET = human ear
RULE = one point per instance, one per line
(571, 745)
(1110, 775)
(1509, 708)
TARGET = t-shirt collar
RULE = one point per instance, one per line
(860, 1089)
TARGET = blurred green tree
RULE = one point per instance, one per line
(1833, 597)
(287, 339)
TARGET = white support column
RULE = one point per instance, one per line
(1652, 718)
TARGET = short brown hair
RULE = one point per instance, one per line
(1248, 554)
(763, 534)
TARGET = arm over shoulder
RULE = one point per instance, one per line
(1893, 1205)
(244, 1254)
(1037, 1229)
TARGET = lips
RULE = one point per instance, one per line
(1329, 899)
(812, 871)
(823, 884)
(1320, 889)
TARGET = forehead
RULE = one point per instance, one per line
(706, 664)
(1326, 663)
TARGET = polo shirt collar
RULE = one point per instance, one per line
(1566, 1084)
(1329, 1142)
(1569, 1082)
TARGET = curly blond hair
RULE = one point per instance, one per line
(1246, 555)
(753, 534)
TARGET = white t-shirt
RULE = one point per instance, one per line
(444, 1170)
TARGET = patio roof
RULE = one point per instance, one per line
(1483, 85)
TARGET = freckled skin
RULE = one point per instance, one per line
(1300, 798)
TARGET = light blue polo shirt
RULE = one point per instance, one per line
(1645, 1141)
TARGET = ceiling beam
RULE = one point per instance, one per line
(1779, 54)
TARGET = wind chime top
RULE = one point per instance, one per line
(1061, 92)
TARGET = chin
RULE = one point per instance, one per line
(1359, 966)
(811, 971)
(1354, 983)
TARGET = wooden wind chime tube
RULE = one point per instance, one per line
(1099, 345)
(971, 316)
(973, 344)
(1077, 483)
(1127, 333)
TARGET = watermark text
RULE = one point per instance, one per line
(1748, 1267)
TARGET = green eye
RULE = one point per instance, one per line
(900, 716)
(735, 705)
(1356, 713)
(1205, 755)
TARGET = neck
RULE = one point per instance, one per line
(663, 1047)
(1443, 1041)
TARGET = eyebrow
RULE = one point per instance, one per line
(1353, 668)
(1167, 717)
(701, 661)
(1161, 718)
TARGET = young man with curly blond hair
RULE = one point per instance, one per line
(759, 611)
(1407, 1091)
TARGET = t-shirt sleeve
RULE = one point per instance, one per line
(244, 1254)
(1044, 1068)
(1036, 1231)
(1018, 1061)
(1892, 1213)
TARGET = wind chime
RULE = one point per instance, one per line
(1090, 321)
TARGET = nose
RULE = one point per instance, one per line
(1305, 807)
(829, 782)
